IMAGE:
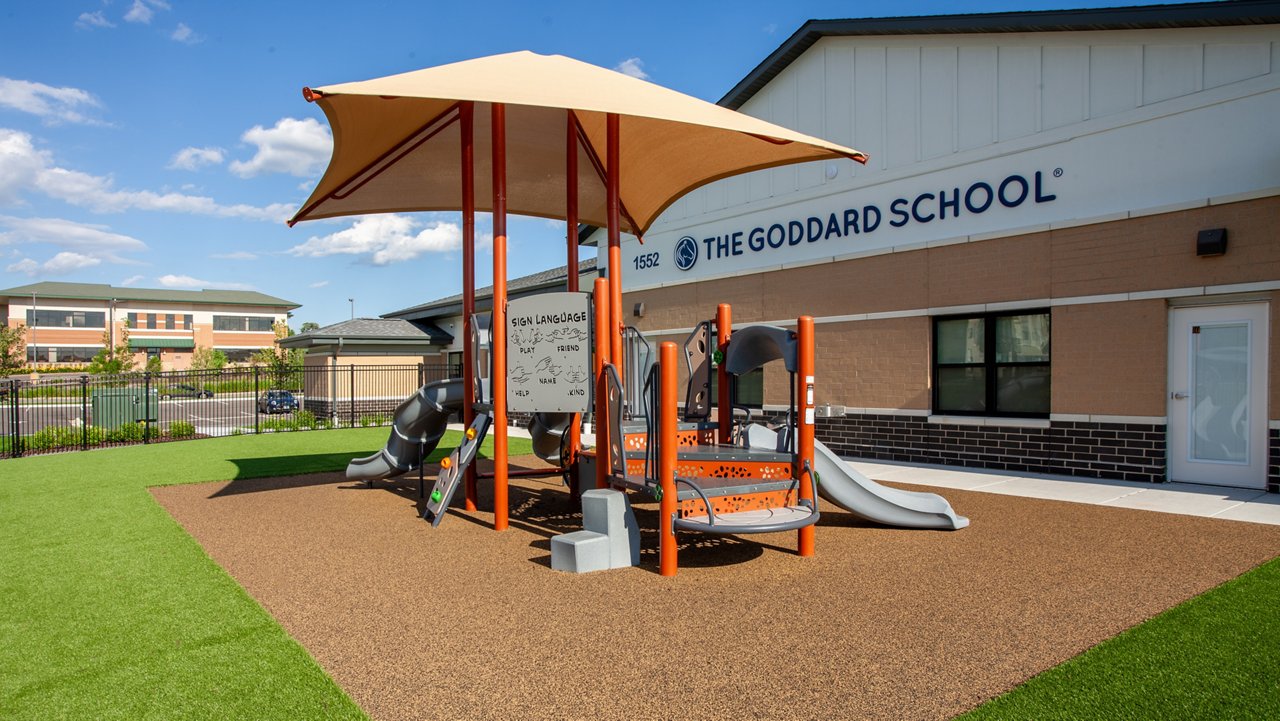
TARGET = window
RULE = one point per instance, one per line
(170, 321)
(75, 354)
(186, 322)
(133, 320)
(37, 354)
(43, 318)
(241, 322)
(747, 393)
(238, 355)
(151, 321)
(992, 365)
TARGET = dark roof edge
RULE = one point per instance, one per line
(1185, 15)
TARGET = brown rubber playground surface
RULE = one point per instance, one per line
(461, 622)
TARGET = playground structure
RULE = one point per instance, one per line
(410, 142)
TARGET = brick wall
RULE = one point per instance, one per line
(1125, 451)
(1273, 469)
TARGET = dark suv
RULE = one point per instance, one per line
(277, 402)
(184, 390)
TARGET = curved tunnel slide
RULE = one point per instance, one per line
(419, 423)
(547, 430)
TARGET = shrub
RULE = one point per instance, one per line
(47, 439)
(126, 433)
(181, 429)
(304, 419)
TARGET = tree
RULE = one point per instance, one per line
(13, 348)
(114, 359)
(310, 326)
(282, 363)
(208, 359)
(154, 364)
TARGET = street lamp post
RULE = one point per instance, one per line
(35, 348)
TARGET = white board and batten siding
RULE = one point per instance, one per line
(1112, 121)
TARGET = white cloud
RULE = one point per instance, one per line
(23, 167)
(384, 239)
(319, 284)
(91, 240)
(770, 29)
(184, 34)
(196, 158)
(237, 255)
(297, 147)
(45, 101)
(60, 264)
(633, 67)
(131, 280)
(20, 164)
(93, 20)
(186, 281)
(143, 10)
(26, 266)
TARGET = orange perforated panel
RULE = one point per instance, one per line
(739, 502)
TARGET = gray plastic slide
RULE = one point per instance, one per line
(841, 484)
(419, 423)
(547, 432)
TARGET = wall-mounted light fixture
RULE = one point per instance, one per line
(638, 310)
(1211, 242)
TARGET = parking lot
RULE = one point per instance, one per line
(218, 416)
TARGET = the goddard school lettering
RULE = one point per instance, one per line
(976, 199)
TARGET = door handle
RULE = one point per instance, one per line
(1178, 396)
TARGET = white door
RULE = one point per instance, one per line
(1218, 395)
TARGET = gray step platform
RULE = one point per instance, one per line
(610, 537)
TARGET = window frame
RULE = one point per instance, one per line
(989, 364)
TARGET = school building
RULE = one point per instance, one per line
(1062, 256)
(67, 322)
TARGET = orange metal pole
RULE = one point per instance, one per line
(804, 416)
(724, 413)
(612, 194)
(498, 320)
(601, 299)
(466, 118)
(667, 549)
(571, 277)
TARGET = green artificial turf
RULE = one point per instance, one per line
(1216, 656)
(109, 610)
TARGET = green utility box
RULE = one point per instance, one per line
(113, 407)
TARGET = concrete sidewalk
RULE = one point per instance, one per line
(1233, 504)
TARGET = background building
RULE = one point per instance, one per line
(1062, 256)
(66, 321)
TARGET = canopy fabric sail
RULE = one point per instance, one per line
(397, 142)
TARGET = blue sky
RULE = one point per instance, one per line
(161, 143)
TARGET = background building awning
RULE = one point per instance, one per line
(138, 343)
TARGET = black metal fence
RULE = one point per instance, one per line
(62, 413)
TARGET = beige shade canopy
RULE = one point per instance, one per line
(397, 147)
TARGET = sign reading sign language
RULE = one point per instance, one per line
(549, 353)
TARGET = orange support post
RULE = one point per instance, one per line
(666, 411)
(466, 118)
(498, 320)
(804, 416)
(571, 277)
(601, 300)
(613, 201)
(724, 414)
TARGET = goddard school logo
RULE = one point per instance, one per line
(686, 253)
